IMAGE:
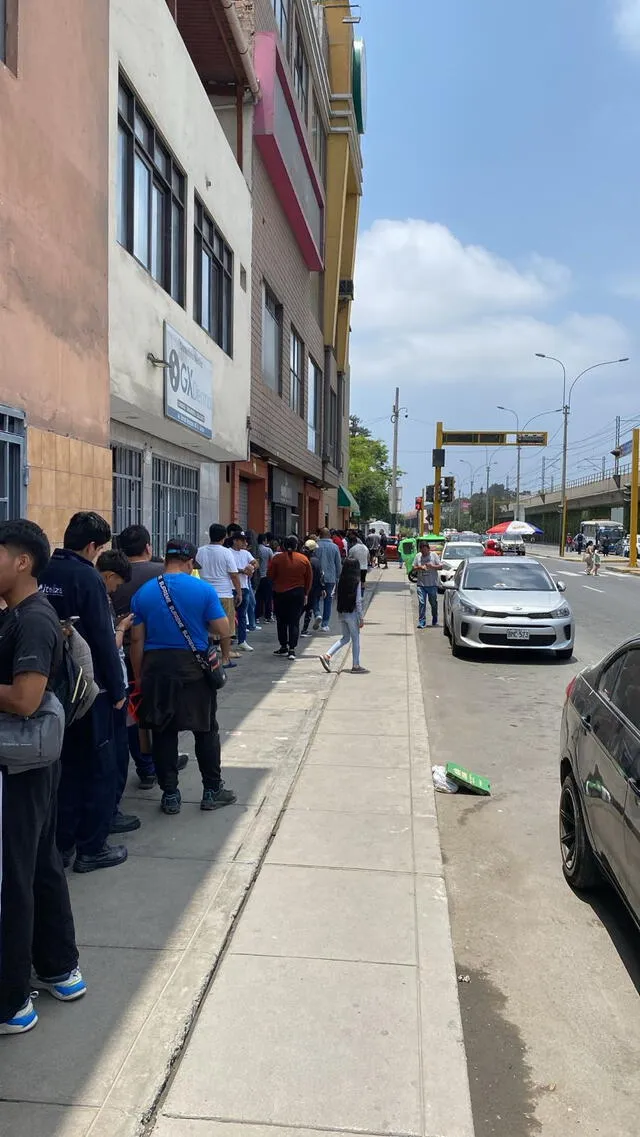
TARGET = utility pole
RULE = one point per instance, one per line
(604, 466)
(394, 469)
(437, 482)
(543, 472)
(633, 516)
(486, 500)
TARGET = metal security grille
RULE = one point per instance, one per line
(11, 465)
(243, 503)
(127, 487)
(176, 494)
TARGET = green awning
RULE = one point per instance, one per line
(346, 500)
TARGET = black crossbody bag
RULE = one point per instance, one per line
(210, 665)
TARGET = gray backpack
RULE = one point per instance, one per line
(32, 742)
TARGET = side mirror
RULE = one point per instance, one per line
(561, 586)
(449, 584)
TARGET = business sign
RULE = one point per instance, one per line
(285, 488)
(188, 384)
(626, 448)
(494, 438)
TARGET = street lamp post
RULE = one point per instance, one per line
(566, 408)
(532, 419)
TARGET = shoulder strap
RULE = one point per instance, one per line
(166, 596)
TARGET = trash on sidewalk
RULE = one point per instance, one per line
(476, 783)
(464, 979)
(442, 783)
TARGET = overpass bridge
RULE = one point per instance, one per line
(593, 496)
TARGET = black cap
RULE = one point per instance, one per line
(183, 550)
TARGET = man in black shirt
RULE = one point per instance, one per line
(87, 794)
(36, 924)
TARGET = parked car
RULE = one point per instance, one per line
(512, 544)
(600, 776)
(504, 602)
(454, 552)
(626, 546)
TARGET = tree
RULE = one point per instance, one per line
(369, 472)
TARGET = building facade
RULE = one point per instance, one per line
(179, 264)
(305, 187)
(54, 376)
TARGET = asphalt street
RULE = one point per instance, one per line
(550, 1009)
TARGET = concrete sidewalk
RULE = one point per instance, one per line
(335, 1007)
(332, 1001)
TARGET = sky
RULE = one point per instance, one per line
(500, 218)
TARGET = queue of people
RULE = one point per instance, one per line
(106, 655)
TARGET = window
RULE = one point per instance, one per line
(333, 428)
(271, 340)
(608, 677)
(626, 696)
(213, 280)
(296, 374)
(281, 11)
(314, 403)
(150, 197)
(11, 464)
(301, 75)
(319, 141)
(176, 498)
(126, 465)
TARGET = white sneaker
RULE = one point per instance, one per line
(326, 628)
(245, 647)
(317, 620)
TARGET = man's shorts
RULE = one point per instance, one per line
(229, 605)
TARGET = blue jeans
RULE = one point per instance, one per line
(350, 628)
(328, 600)
(251, 609)
(427, 592)
(241, 613)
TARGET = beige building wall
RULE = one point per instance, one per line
(53, 253)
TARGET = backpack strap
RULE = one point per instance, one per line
(203, 663)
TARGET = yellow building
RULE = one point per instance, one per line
(347, 77)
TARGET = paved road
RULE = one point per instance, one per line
(551, 1012)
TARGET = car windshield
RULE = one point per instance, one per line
(462, 552)
(507, 577)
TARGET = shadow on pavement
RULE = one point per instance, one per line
(136, 923)
(622, 930)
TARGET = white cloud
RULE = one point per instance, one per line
(626, 21)
(430, 309)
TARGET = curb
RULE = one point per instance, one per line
(451, 1115)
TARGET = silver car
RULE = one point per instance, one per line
(507, 602)
(454, 552)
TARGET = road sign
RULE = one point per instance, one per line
(625, 449)
(494, 438)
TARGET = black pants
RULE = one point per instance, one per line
(121, 745)
(165, 754)
(36, 924)
(289, 606)
(264, 598)
(87, 794)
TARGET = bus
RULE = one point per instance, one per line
(601, 527)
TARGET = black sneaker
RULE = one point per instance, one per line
(305, 635)
(171, 803)
(182, 761)
(124, 822)
(216, 799)
(108, 857)
(292, 656)
(281, 651)
(67, 856)
(146, 781)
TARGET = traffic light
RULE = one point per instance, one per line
(626, 493)
(431, 493)
(419, 504)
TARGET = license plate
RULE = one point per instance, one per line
(517, 634)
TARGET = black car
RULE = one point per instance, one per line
(600, 776)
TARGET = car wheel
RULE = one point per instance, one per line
(579, 864)
(565, 653)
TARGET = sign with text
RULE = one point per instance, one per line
(188, 384)
(494, 438)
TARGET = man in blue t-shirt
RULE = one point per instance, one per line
(175, 693)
